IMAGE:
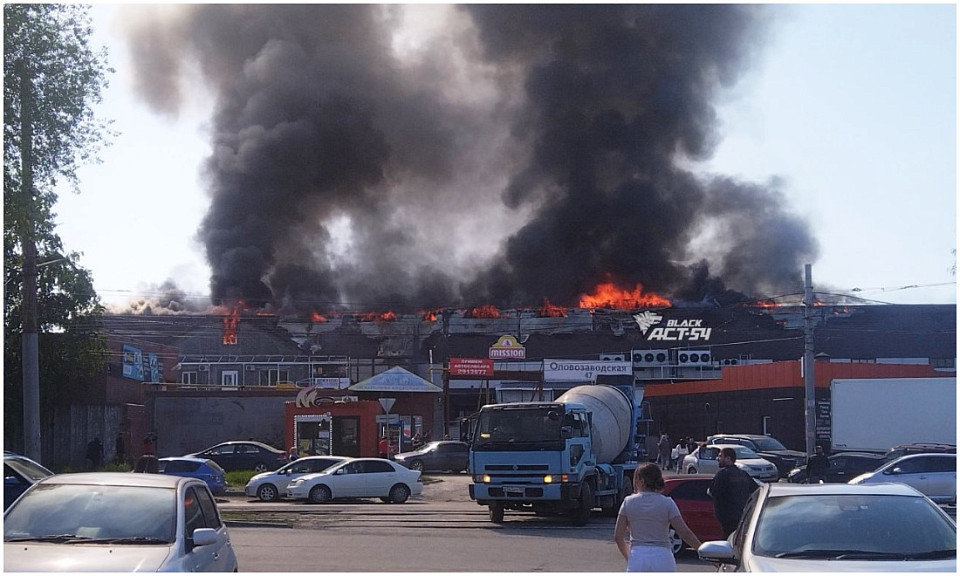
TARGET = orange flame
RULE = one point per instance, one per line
(317, 317)
(549, 310)
(485, 311)
(607, 295)
(428, 315)
(230, 327)
(387, 316)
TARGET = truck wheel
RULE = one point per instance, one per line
(496, 513)
(580, 515)
(626, 489)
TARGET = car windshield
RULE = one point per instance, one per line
(862, 526)
(428, 447)
(89, 512)
(744, 453)
(767, 443)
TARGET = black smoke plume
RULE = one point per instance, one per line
(421, 156)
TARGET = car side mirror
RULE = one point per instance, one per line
(895, 470)
(203, 537)
(720, 551)
(566, 432)
(11, 481)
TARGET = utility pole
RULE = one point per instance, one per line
(810, 396)
(29, 335)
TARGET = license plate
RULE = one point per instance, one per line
(513, 491)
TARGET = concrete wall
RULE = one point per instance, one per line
(188, 423)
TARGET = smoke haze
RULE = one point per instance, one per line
(426, 156)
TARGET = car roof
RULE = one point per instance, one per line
(923, 455)
(748, 436)
(120, 479)
(890, 488)
(686, 478)
(734, 446)
(184, 458)
(260, 444)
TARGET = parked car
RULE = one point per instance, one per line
(768, 447)
(19, 473)
(704, 461)
(838, 528)
(932, 474)
(844, 466)
(199, 468)
(696, 507)
(441, 456)
(244, 455)
(358, 478)
(116, 522)
(904, 449)
(269, 486)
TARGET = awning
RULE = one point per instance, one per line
(395, 379)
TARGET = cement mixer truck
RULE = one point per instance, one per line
(568, 456)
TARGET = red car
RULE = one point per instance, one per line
(696, 507)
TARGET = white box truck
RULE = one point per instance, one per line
(876, 414)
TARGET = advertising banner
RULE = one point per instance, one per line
(482, 367)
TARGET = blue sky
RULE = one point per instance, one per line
(852, 107)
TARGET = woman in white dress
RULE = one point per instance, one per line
(643, 526)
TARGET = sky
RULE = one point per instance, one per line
(851, 108)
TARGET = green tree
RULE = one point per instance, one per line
(47, 55)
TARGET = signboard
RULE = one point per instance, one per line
(673, 330)
(584, 371)
(507, 348)
(471, 367)
(132, 362)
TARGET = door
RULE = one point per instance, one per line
(229, 379)
(941, 474)
(346, 436)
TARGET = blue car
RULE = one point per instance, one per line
(200, 468)
(19, 473)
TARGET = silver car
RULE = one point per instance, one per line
(270, 486)
(932, 474)
(703, 460)
(838, 528)
(116, 522)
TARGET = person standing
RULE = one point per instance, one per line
(730, 490)
(642, 532)
(95, 453)
(817, 467)
(384, 447)
(682, 450)
(663, 448)
(294, 453)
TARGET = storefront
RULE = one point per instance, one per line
(325, 425)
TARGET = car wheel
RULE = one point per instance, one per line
(417, 465)
(320, 494)
(676, 542)
(268, 493)
(496, 513)
(260, 467)
(399, 494)
(691, 470)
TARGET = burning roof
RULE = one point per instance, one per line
(381, 157)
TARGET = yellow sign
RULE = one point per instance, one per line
(507, 347)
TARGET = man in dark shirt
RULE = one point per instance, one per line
(817, 467)
(730, 490)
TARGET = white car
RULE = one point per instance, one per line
(831, 528)
(703, 460)
(116, 522)
(935, 475)
(269, 486)
(358, 478)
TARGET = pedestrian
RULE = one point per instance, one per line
(384, 447)
(730, 490)
(681, 450)
(120, 449)
(95, 453)
(149, 443)
(691, 445)
(294, 453)
(663, 448)
(147, 464)
(817, 467)
(647, 515)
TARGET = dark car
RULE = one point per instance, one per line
(696, 507)
(768, 447)
(438, 456)
(844, 466)
(19, 473)
(904, 449)
(200, 468)
(244, 455)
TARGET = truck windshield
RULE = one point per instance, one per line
(536, 428)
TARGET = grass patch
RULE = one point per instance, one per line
(238, 479)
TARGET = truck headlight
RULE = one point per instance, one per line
(483, 479)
